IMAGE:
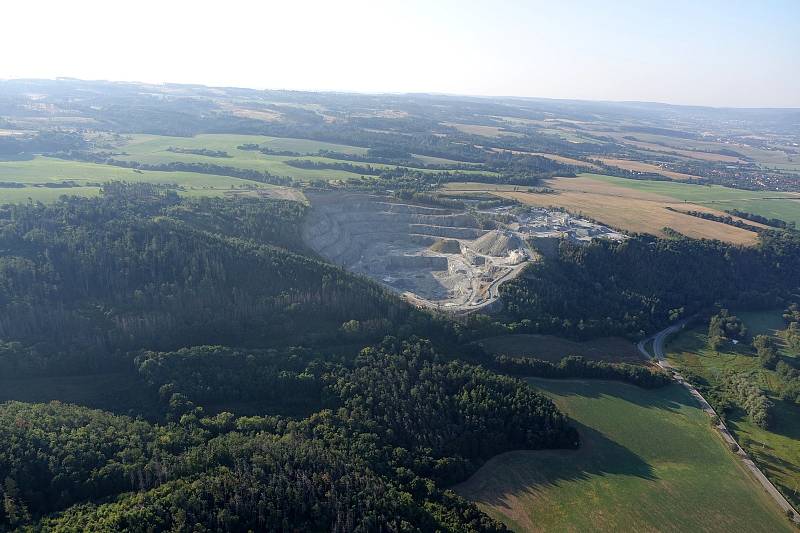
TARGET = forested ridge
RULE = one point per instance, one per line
(642, 284)
(134, 269)
(400, 423)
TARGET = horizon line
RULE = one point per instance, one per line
(407, 93)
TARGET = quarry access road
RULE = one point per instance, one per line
(492, 292)
(492, 295)
(661, 360)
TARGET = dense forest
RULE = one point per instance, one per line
(642, 284)
(140, 268)
(399, 423)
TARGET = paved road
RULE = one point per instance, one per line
(661, 359)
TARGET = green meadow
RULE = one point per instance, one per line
(37, 173)
(154, 149)
(777, 451)
(87, 178)
(649, 461)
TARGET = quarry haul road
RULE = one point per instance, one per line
(658, 354)
(492, 292)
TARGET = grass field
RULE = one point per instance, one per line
(39, 171)
(551, 348)
(650, 461)
(776, 451)
(153, 149)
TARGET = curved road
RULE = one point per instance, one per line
(661, 359)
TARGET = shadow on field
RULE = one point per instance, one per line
(601, 456)
(671, 397)
(786, 419)
(522, 474)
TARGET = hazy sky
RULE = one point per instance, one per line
(726, 53)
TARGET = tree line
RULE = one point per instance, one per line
(404, 423)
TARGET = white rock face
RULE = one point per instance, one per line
(434, 256)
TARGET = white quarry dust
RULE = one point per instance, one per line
(389, 241)
(496, 243)
(401, 245)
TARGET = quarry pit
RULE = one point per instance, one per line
(444, 258)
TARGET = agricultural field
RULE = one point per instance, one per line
(640, 166)
(652, 447)
(785, 206)
(622, 208)
(642, 206)
(565, 160)
(775, 450)
(153, 149)
(481, 130)
(44, 179)
(552, 348)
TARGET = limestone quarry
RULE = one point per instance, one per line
(439, 257)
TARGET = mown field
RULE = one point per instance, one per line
(650, 206)
(551, 348)
(785, 206)
(650, 461)
(776, 451)
(621, 207)
(41, 173)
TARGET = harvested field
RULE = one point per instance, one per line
(551, 348)
(691, 154)
(553, 157)
(639, 166)
(267, 115)
(565, 160)
(637, 214)
(632, 205)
